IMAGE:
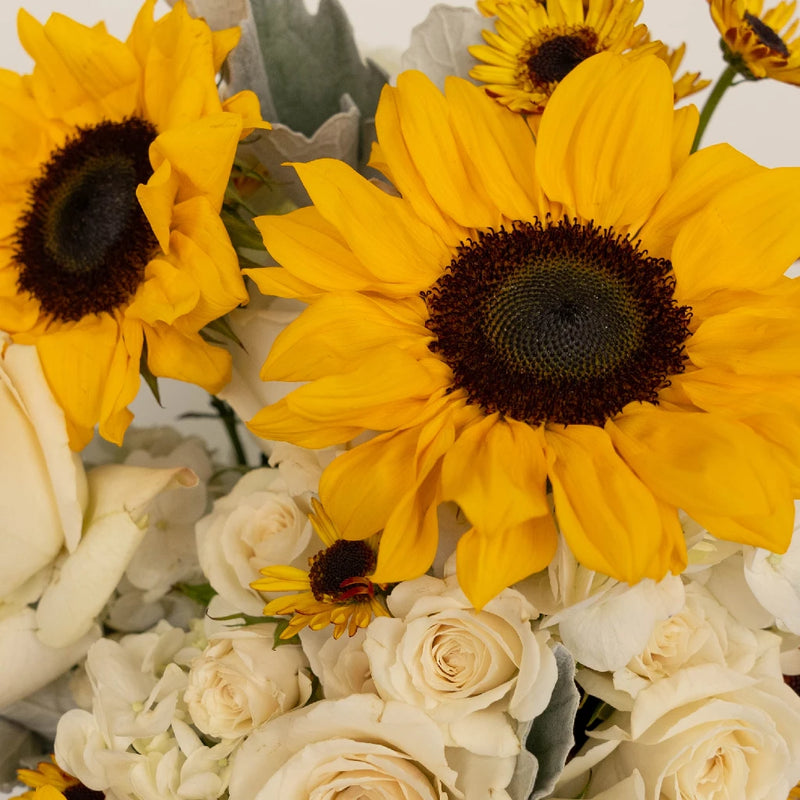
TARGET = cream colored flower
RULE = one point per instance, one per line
(242, 680)
(465, 668)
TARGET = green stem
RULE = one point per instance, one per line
(229, 421)
(720, 87)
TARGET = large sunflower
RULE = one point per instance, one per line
(115, 157)
(598, 312)
(759, 44)
(535, 45)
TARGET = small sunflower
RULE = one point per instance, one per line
(115, 157)
(49, 782)
(336, 590)
(535, 45)
(689, 82)
(759, 44)
(594, 312)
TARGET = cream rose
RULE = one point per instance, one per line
(258, 524)
(242, 680)
(360, 747)
(702, 632)
(43, 482)
(465, 668)
(741, 743)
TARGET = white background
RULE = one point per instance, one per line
(761, 119)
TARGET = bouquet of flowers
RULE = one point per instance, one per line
(519, 364)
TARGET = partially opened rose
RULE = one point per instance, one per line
(359, 747)
(241, 680)
(465, 668)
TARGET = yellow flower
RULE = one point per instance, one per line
(49, 782)
(535, 45)
(115, 157)
(595, 311)
(689, 82)
(759, 45)
(336, 590)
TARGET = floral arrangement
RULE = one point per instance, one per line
(518, 358)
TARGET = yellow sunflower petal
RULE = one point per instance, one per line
(333, 330)
(607, 515)
(713, 468)
(122, 383)
(179, 86)
(388, 239)
(489, 562)
(185, 357)
(164, 296)
(506, 148)
(603, 163)
(81, 73)
(77, 362)
(431, 141)
(496, 472)
(704, 175)
(746, 237)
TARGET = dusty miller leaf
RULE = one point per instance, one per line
(311, 61)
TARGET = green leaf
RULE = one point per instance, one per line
(148, 376)
(201, 593)
(223, 328)
(312, 61)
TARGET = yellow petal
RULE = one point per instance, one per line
(313, 251)
(745, 238)
(184, 357)
(607, 515)
(605, 139)
(164, 295)
(500, 147)
(719, 471)
(157, 199)
(77, 362)
(704, 175)
(437, 155)
(179, 85)
(489, 562)
(496, 472)
(339, 328)
(201, 153)
(382, 231)
(82, 74)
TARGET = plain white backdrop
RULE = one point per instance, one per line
(761, 119)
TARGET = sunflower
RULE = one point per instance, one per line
(49, 782)
(595, 311)
(337, 588)
(689, 82)
(115, 157)
(759, 45)
(535, 45)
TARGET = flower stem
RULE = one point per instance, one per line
(228, 417)
(720, 87)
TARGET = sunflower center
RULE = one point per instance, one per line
(339, 572)
(766, 35)
(554, 58)
(81, 792)
(83, 242)
(557, 322)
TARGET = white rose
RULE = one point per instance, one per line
(44, 485)
(463, 667)
(359, 747)
(702, 632)
(742, 743)
(340, 664)
(242, 680)
(602, 622)
(257, 525)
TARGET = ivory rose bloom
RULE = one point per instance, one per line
(241, 680)
(464, 668)
(257, 524)
(358, 747)
(43, 485)
(743, 742)
(702, 632)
